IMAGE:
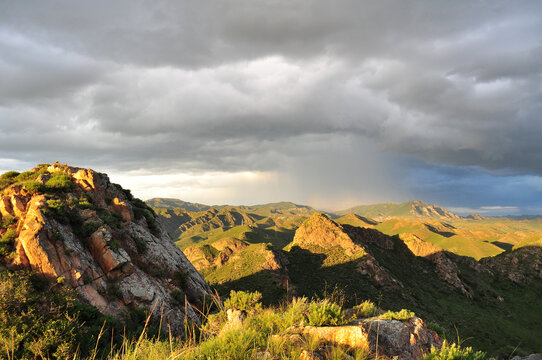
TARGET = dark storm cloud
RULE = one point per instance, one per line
(241, 85)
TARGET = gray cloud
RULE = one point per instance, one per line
(242, 85)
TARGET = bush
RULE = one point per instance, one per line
(404, 314)
(247, 301)
(34, 187)
(325, 312)
(7, 242)
(140, 213)
(454, 352)
(113, 290)
(9, 175)
(44, 323)
(27, 175)
(114, 245)
(438, 329)
(110, 218)
(295, 312)
(7, 179)
(87, 229)
(366, 309)
(59, 182)
(7, 221)
(141, 245)
(58, 210)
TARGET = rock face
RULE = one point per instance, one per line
(95, 237)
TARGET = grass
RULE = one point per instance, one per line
(52, 325)
(265, 333)
(454, 352)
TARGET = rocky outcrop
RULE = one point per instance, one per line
(519, 265)
(409, 339)
(447, 270)
(92, 235)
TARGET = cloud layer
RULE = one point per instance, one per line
(335, 100)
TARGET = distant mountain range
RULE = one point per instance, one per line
(411, 209)
(415, 209)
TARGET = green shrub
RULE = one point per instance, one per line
(140, 213)
(178, 297)
(138, 203)
(141, 245)
(126, 192)
(85, 204)
(9, 236)
(366, 309)
(87, 229)
(27, 175)
(52, 324)
(8, 178)
(294, 314)
(114, 245)
(7, 221)
(113, 290)
(45, 322)
(59, 182)
(244, 300)
(111, 219)
(438, 329)
(325, 312)
(454, 352)
(58, 210)
(404, 314)
(7, 242)
(9, 175)
(34, 187)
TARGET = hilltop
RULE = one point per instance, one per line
(80, 234)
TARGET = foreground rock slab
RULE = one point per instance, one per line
(409, 339)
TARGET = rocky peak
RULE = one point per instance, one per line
(75, 227)
(421, 209)
(319, 230)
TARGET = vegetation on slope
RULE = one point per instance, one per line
(44, 320)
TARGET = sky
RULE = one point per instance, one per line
(325, 103)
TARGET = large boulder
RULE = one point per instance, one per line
(409, 339)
